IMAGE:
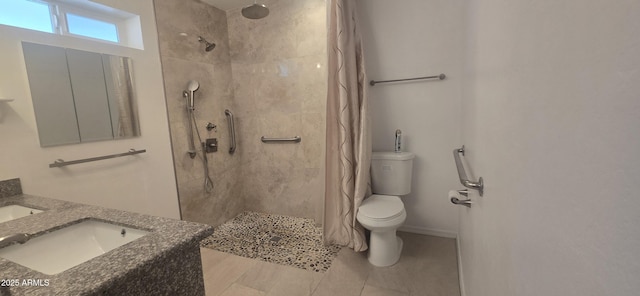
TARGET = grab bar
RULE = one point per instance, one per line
(440, 77)
(232, 131)
(464, 180)
(60, 163)
(295, 139)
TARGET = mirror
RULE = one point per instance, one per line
(80, 96)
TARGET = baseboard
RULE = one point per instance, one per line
(460, 273)
(426, 231)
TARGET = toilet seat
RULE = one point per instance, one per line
(381, 207)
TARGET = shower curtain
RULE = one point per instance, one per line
(348, 155)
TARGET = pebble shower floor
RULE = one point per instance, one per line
(277, 239)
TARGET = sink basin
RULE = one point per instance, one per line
(12, 212)
(67, 247)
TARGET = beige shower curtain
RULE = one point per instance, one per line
(348, 129)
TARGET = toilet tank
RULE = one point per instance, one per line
(391, 172)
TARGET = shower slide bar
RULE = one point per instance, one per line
(440, 77)
(464, 180)
(232, 131)
(60, 163)
(295, 139)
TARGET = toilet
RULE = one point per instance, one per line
(383, 212)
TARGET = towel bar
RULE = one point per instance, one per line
(60, 163)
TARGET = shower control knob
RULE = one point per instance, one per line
(211, 126)
(211, 145)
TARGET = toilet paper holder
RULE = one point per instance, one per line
(463, 202)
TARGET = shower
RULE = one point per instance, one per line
(281, 177)
(189, 94)
(255, 11)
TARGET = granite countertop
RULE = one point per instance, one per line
(91, 276)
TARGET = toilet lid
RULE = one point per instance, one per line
(381, 207)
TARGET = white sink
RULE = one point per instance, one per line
(67, 247)
(12, 212)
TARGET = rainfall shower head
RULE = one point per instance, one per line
(208, 45)
(255, 11)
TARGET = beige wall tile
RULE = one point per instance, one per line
(183, 59)
(280, 89)
(271, 74)
(195, 19)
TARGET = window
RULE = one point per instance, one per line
(26, 14)
(84, 19)
(92, 28)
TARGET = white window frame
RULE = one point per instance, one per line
(58, 10)
(51, 19)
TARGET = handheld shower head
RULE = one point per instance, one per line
(192, 86)
(208, 45)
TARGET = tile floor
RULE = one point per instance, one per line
(428, 266)
(298, 242)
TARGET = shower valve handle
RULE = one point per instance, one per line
(210, 145)
(211, 126)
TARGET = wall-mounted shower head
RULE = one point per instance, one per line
(208, 46)
(255, 11)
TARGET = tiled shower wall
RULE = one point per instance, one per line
(271, 73)
(183, 59)
(279, 82)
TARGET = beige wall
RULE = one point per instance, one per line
(279, 77)
(143, 183)
(277, 90)
(184, 59)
